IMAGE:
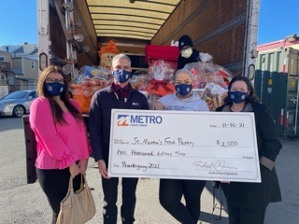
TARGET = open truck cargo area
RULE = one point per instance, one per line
(72, 31)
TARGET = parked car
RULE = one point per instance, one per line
(17, 103)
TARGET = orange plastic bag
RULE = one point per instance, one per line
(90, 80)
(84, 102)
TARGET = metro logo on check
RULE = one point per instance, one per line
(122, 120)
(137, 120)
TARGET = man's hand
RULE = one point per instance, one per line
(103, 169)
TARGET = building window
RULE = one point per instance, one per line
(1, 58)
(32, 65)
(10, 80)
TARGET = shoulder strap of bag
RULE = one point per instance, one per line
(85, 180)
(217, 185)
(71, 184)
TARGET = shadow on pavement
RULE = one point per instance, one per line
(218, 214)
(212, 218)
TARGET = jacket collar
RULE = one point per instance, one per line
(247, 108)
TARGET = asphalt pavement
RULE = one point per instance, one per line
(25, 203)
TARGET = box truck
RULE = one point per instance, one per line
(70, 33)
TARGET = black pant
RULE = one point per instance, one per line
(55, 184)
(110, 187)
(170, 195)
(239, 215)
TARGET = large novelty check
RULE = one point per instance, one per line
(183, 145)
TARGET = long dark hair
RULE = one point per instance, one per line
(252, 98)
(65, 97)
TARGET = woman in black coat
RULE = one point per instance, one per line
(247, 202)
(188, 54)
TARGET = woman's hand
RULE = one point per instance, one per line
(225, 182)
(103, 169)
(74, 170)
(83, 165)
(156, 105)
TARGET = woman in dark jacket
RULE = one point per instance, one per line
(188, 53)
(247, 202)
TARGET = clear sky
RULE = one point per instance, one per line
(278, 19)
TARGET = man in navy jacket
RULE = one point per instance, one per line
(119, 95)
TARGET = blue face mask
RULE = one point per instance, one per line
(121, 75)
(54, 89)
(183, 89)
(237, 96)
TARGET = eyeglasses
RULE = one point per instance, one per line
(52, 80)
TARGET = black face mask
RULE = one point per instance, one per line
(237, 96)
(121, 75)
(54, 89)
(183, 89)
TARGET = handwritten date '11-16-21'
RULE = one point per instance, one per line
(233, 125)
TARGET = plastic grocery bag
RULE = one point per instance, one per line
(89, 80)
(210, 81)
(160, 79)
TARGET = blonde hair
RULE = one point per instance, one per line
(183, 71)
